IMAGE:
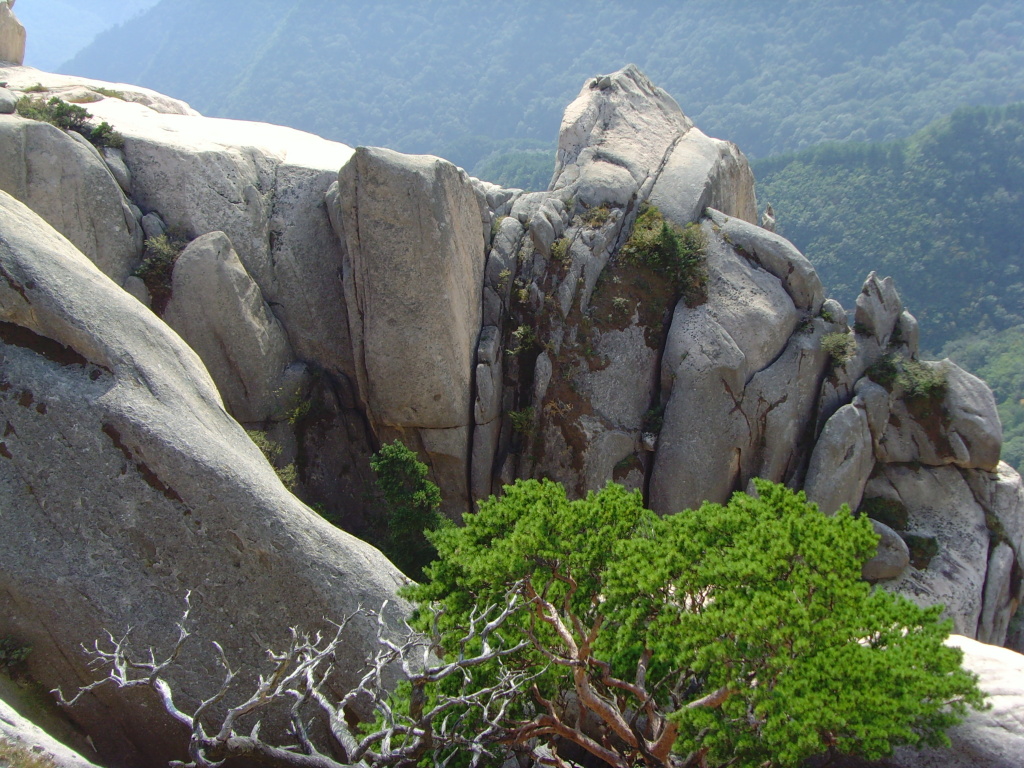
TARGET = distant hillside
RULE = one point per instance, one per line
(462, 78)
(58, 29)
(943, 213)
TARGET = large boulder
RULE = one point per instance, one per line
(702, 173)
(414, 265)
(616, 136)
(265, 188)
(625, 139)
(945, 530)
(67, 183)
(261, 185)
(125, 484)
(959, 427)
(712, 352)
(12, 35)
(841, 461)
(776, 255)
(219, 310)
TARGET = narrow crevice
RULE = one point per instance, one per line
(54, 351)
(144, 470)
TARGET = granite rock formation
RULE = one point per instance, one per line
(125, 484)
(342, 298)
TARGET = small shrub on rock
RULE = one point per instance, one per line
(917, 380)
(103, 135)
(840, 347)
(69, 117)
(560, 249)
(287, 474)
(920, 381)
(522, 421)
(157, 267)
(13, 652)
(596, 217)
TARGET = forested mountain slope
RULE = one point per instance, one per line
(941, 213)
(462, 79)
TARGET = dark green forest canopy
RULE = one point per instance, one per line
(940, 212)
(460, 78)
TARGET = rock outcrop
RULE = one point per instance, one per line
(125, 484)
(218, 310)
(67, 183)
(342, 298)
(12, 35)
(413, 267)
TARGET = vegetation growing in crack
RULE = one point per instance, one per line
(653, 419)
(157, 268)
(916, 380)
(524, 339)
(560, 249)
(522, 421)
(840, 347)
(597, 216)
(13, 652)
(679, 253)
(287, 474)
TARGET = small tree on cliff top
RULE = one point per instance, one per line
(736, 634)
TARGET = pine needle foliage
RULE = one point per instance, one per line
(413, 507)
(746, 626)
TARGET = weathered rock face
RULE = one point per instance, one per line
(948, 539)
(841, 461)
(12, 35)
(83, 90)
(67, 183)
(624, 139)
(712, 352)
(414, 264)
(263, 186)
(124, 484)
(218, 309)
(593, 396)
